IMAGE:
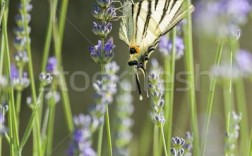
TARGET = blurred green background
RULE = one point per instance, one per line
(78, 37)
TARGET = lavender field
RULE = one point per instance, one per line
(123, 78)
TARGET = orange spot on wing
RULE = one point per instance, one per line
(136, 48)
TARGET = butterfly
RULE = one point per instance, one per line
(143, 23)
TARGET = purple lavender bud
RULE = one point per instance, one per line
(21, 58)
(165, 46)
(19, 83)
(102, 29)
(28, 7)
(87, 150)
(97, 12)
(83, 121)
(2, 120)
(19, 31)
(96, 51)
(20, 19)
(108, 47)
(104, 3)
(244, 61)
(52, 65)
(14, 72)
(180, 25)
(53, 96)
(19, 43)
(112, 68)
(158, 119)
(78, 135)
(110, 13)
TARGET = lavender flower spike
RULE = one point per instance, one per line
(124, 110)
(244, 61)
(105, 89)
(104, 12)
(81, 138)
(156, 94)
(165, 46)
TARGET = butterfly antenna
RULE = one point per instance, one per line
(139, 87)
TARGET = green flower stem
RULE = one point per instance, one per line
(62, 19)
(1, 145)
(18, 105)
(228, 101)
(155, 141)
(191, 80)
(2, 54)
(108, 132)
(66, 102)
(163, 138)
(211, 98)
(226, 150)
(101, 128)
(1, 139)
(241, 104)
(2, 37)
(228, 92)
(49, 144)
(19, 97)
(7, 137)
(31, 120)
(250, 146)
(36, 130)
(100, 138)
(107, 111)
(100, 135)
(48, 39)
(46, 49)
(58, 38)
(5, 45)
(44, 130)
(52, 26)
(99, 145)
(12, 113)
(2, 10)
(145, 140)
(169, 67)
